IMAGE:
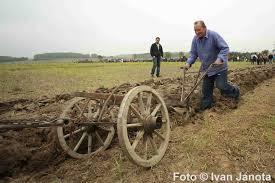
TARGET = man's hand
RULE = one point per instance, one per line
(186, 66)
(218, 62)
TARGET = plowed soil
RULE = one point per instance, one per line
(30, 155)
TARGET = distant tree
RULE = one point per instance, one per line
(59, 55)
(134, 56)
(167, 55)
(265, 52)
(100, 57)
(8, 58)
(180, 54)
(93, 55)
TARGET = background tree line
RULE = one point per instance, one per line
(8, 58)
(59, 55)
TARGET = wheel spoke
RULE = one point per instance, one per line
(80, 141)
(96, 113)
(138, 137)
(141, 104)
(135, 111)
(159, 135)
(153, 144)
(90, 110)
(112, 116)
(148, 104)
(145, 144)
(86, 115)
(99, 138)
(78, 107)
(89, 143)
(133, 125)
(74, 132)
(156, 110)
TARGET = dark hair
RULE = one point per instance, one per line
(157, 38)
(201, 23)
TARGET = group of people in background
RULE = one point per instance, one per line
(262, 58)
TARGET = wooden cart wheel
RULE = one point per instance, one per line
(143, 126)
(83, 141)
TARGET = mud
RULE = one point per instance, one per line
(31, 150)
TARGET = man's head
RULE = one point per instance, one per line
(157, 40)
(200, 28)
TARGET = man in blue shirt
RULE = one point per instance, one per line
(210, 48)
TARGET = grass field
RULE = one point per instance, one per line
(37, 79)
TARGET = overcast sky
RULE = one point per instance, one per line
(111, 27)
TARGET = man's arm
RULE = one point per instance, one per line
(193, 53)
(223, 47)
(151, 50)
(161, 52)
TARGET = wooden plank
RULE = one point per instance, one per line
(30, 125)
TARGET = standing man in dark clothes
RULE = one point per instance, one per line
(157, 53)
(270, 58)
(210, 47)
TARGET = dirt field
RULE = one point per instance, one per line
(221, 140)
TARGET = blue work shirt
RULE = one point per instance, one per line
(209, 48)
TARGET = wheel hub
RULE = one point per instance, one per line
(91, 129)
(151, 123)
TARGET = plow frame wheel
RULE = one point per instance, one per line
(146, 127)
(85, 135)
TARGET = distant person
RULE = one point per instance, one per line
(270, 58)
(157, 54)
(211, 48)
(260, 59)
(253, 58)
(265, 58)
